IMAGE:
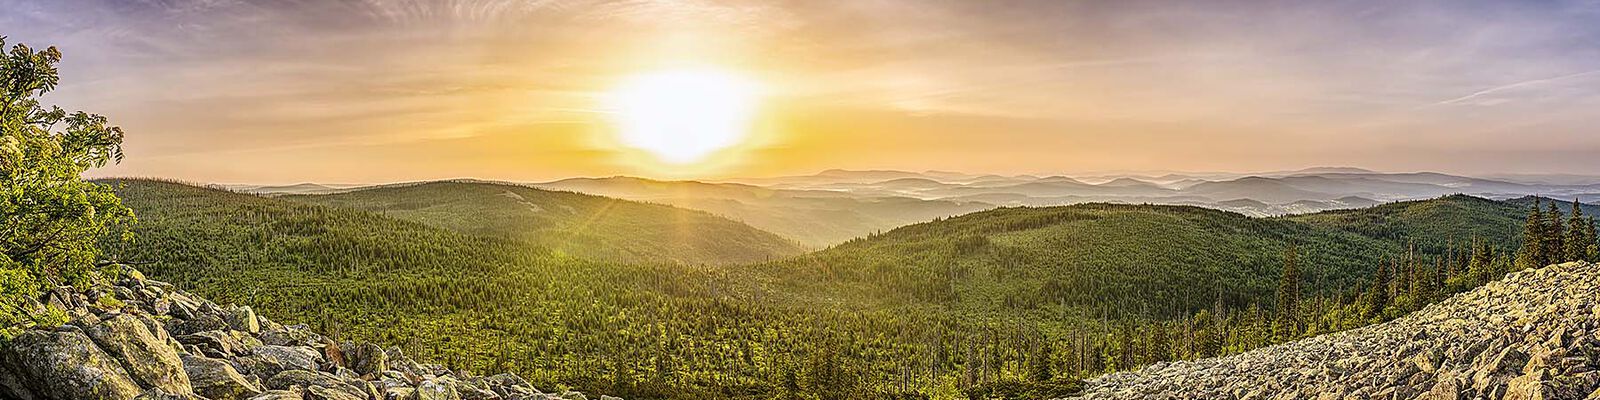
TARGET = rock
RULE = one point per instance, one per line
(201, 351)
(269, 360)
(366, 358)
(66, 364)
(217, 380)
(435, 389)
(151, 361)
(197, 324)
(241, 319)
(310, 379)
(215, 344)
(322, 393)
(1533, 335)
(296, 394)
(291, 335)
(1527, 387)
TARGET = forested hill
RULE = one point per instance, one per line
(583, 225)
(1097, 259)
(1147, 260)
(1434, 225)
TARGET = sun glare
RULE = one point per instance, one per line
(682, 116)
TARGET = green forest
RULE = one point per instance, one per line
(591, 227)
(1008, 302)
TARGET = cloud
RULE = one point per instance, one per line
(1478, 97)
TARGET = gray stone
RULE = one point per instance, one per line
(151, 361)
(217, 380)
(242, 318)
(268, 360)
(66, 364)
(303, 378)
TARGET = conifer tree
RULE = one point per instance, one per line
(1555, 229)
(1378, 297)
(1532, 254)
(1289, 287)
(1591, 252)
(1575, 246)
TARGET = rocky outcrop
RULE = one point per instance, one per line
(1533, 335)
(143, 339)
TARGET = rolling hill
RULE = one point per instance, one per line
(1433, 225)
(493, 304)
(958, 302)
(586, 226)
(1085, 260)
(1111, 259)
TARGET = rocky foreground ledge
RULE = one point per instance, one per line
(1532, 335)
(143, 339)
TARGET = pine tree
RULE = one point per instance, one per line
(1378, 297)
(1575, 246)
(1555, 229)
(1532, 255)
(1592, 251)
(1481, 267)
(1289, 287)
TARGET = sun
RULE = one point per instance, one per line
(683, 115)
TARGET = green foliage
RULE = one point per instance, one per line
(1087, 260)
(492, 304)
(1289, 291)
(1016, 303)
(1432, 226)
(1548, 239)
(590, 227)
(50, 220)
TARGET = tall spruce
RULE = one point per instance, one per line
(1575, 246)
(1532, 254)
(1289, 286)
(1378, 297)
(1554, 231)
(1592, 251)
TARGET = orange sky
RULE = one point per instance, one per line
(395, 90)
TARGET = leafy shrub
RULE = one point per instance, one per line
(52, 219)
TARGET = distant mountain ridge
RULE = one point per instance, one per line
(837, 205)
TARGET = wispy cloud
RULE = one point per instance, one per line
(1481, 94)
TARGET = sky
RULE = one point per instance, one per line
(368, 91)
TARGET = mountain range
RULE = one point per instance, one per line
(834, 206)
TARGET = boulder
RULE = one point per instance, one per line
(149, 360)
(66, 364)
(241, 318)
(294, 394)
(291, 335)
(268, 360)
(310, 379)
(215, 344)
(200, 323)
(435, 389)
(322, 393)
(366, 358)
(217, 380)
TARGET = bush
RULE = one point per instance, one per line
(52, 218)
